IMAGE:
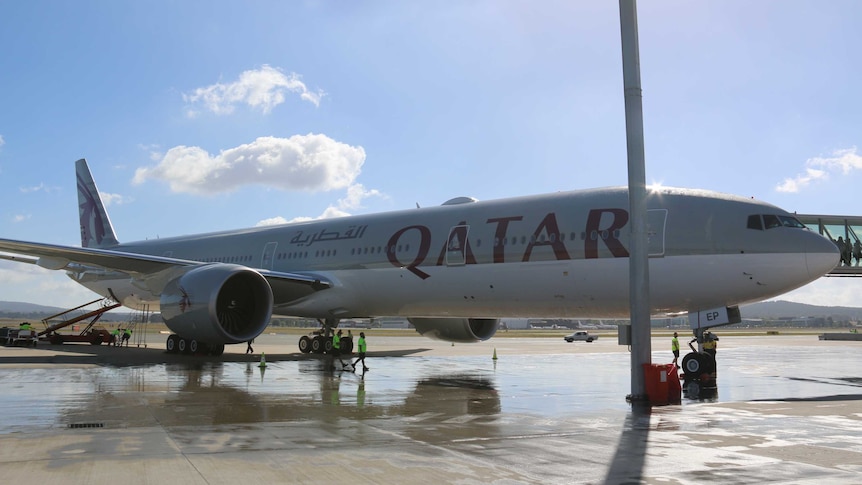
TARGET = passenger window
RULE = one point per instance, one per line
(754, 222)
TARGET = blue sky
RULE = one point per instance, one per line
(205, 115)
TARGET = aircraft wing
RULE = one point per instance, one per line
(286, 287)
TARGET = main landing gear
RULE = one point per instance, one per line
(320, 341)
(179, 345)
(699, 368)
(700, 375)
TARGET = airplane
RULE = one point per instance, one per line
(452, 270)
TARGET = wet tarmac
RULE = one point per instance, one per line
(788, 410)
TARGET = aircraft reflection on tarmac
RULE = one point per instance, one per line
(218, 394)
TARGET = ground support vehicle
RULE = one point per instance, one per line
(318, 343)
(14, 336)
(580, 336)
(92, 336)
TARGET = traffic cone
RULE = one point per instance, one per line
(495, 353)
(262, 360)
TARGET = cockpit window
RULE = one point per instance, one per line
(768, 221)
(788, 221)
(771, 221)
(754, 222)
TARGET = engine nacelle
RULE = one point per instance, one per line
(456, 329)
(218, 304)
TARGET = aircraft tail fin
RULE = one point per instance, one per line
(96, 228)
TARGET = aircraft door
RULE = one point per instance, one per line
(456, 246)
(656, 219)
(268, 255)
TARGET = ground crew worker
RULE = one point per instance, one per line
(248, 349)
(24, 330)
(709, 343)
(361, 346)
(674, 347)
(115, 336)
(127, 334)
(336, 349)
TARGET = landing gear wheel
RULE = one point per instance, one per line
(215, 349)
(347, 346)
(183, 346)
(327, 346)
(193, 346)
(172, 344)
(693, 364)
(317, 345)
(692, 389)
(304, 344)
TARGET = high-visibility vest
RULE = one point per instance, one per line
(709, 345)
(674, 343)
(361, 345)
(336, 341)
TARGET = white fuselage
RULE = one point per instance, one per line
(558, 255)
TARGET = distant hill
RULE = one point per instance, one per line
(32, 311)
(767, 310)
(785, 309)
(21, 307)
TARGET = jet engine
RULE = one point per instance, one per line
(456, 329)
(217, 304)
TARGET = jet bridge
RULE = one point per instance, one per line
(848, 229)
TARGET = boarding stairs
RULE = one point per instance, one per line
(138, 325)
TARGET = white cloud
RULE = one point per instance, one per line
(114, 199)
(820, 168)
(26, 282)
(38, 188)
(801, 181)
(827, 291)
(261, 89)
(27, 190)
(302, 162)
(272, 221)
(2, 141)
(154, 151)
(332, 212)
(355, 195)
(20, 217)
(329, 213)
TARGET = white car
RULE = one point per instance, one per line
(583, 336)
